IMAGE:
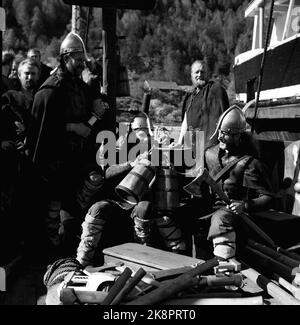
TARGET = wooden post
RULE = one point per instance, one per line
(75, 19)
(110, 61)
(146, 103)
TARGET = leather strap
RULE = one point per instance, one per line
(230, 166)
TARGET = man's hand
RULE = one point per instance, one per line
(141, 159)
(236, 207)
(79, 128)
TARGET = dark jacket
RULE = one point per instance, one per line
(203, 109)
(44, 73)
(60, 100)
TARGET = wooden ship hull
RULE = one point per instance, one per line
(281, 77)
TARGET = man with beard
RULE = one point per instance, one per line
(16, 171)
(112, 220)
(234, 165)
(203, 106)
(66, 112)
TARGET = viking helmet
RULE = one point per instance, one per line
(72, 43)
(142, 121)
(231, 121)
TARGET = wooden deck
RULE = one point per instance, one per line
(25, 284)
(25, 287)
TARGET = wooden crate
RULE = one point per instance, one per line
(136, 255)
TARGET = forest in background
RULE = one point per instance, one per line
(157, 44)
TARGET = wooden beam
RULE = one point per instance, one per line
(110, 62)
(255, 33)
(261, 27)
(288, 19)
(76, 19)
(279, 112)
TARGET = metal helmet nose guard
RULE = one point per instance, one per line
(71, 44)
(142, 121)
(231, 121)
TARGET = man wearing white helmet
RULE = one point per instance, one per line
(64, 145)
(234, 165)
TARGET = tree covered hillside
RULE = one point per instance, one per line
(159, 44)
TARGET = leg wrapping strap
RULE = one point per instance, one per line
(224, 245)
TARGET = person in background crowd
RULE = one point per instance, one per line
(35, 54)
(203, 106)
(67, 114)
(14, 75)
(16, 108)
(7, 62)
(16, 172)
(233, 163)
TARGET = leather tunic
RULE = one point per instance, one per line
(246, 179)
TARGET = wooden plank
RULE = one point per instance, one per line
(132, 265)
(148, 256)
(275, 136)
(282, 111)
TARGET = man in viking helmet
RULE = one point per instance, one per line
(66, 113)
(233, 164)
(113, 220)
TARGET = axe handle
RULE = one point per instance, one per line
(117, 287)
(129, 286)
(215, 186)
(257, 230)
